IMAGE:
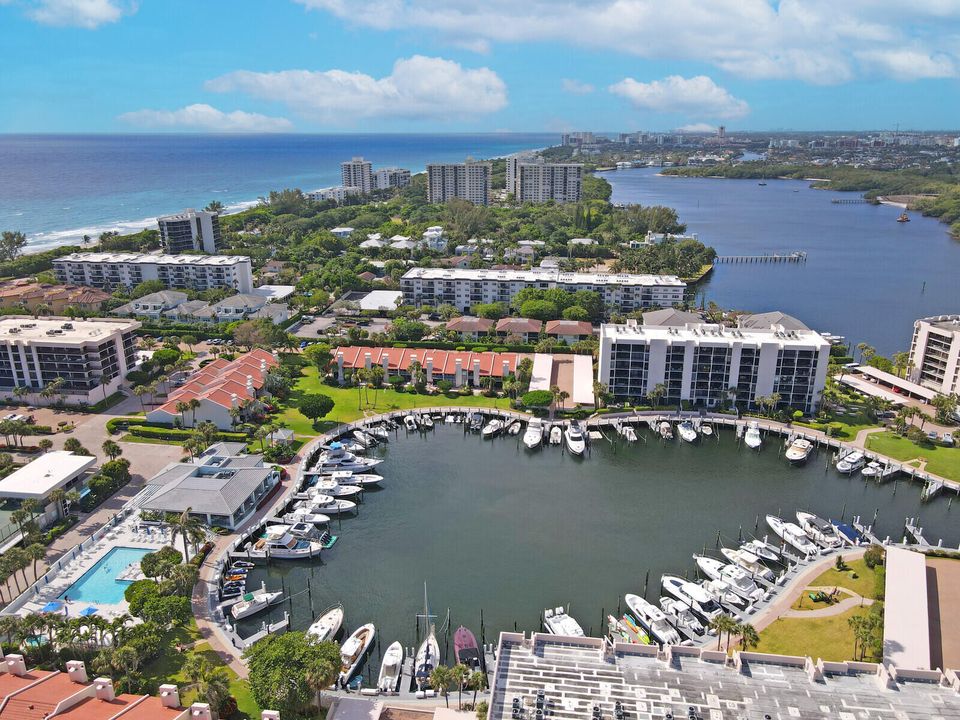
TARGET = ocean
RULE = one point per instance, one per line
(58, 188)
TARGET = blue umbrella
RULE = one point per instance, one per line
(52, 606)
(88, 611)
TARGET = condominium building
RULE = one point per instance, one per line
(357, 173)
(464, 288)
(706, 364)
(467, 180)
(195, 272)
(386, 178)
(935, 353)
(337, 193)
(91, 356)
(190, 230)
(530, 179)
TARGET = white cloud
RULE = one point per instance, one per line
(697, 96)
(575, 87)
(418, 87)
(88, 14)
(697, 128)
(817, 41)
(207, 118)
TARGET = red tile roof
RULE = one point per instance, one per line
(444, 361)
(93, 708)
(35, 703)
(216, 381)
(569, 327)
(468, 323)
(519, 325)
(152, 709)
(10, 683)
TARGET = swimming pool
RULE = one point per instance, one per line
(99, 585)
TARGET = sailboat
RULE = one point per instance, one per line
(428, 654)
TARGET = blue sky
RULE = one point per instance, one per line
(475, 65)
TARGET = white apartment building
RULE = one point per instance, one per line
(464, 287)
(92, 356)
(196, 272)
(702, 362)
(530, 179)
(386, 178)
(467, 180)
(337, 193)
(357, 173)
(935, 353)
(190, 230)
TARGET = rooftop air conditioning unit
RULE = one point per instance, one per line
(14, 330)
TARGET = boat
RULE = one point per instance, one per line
(492, 429)
(280, 544)
(762, 184)
(242, 564)
(680, 615)
(410, 422)
(426, 422)
(799, 451)
(329, 486)
(735, 576)
(752, 436)
(348, 477)
(364, 439)
(903, 217)
(688, 433)
(628, 433)
(762, 549)
(695, 597)
(724, 594)
(337, 458)
(428, 654)
(706, 430)
(872, 469)
(653, 620)
(558, 622)
(327, 626)
(253, 603)
(379, 432)
(228, 593)
(476, 422)
(792, 535)
(466, 650)
(666, 432)
(326, 505)
(514, 428)
(819, 530)
(533, 435)
(749, 562)
(576, 443)
(850, 535)
(391, 669)
(851, 462)
(353, 650)
(556, 435)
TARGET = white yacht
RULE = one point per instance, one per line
(556, 435)
(279, 543)
(735, 576)
(628, 433)
(514, 428)
(752, 436)
(558, 622)
(300, 515)
(329, 486)
(327, 626)
(851, 462)
(653, 620)
(410, 422)
(799, 451)
(326, 505)
(723, 593)
(688, 433)
(337, 458)
(379, 432)
(353, 650)
(872, 469)
(819, 530)
(492, 429)
(793, 535)
(666, 432)
(694, 596)
(762, 549)
(391, 669)
(682, 617)
(348, 477)
(254, 602)
(364, 439)
(749, 562)
(533, 435)
(426, 422)
(576, 443)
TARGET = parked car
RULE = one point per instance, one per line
(932, 435)
(947, 439)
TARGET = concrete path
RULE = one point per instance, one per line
(851, 601)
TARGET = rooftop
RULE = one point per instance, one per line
(469, 323)
(670, 317)
(519, 325)
(706, 333)
(274, 292)
(62, 330)
(203, 488)
(950, 323)
(765, 320)
(569, 327)
(119, 257)
(542, 275)
(48, 472)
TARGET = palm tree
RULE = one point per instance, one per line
(360, 375)
(260, 433)
(111, 449)
(477, 682)
(599, 393)
(35, 553)
(194, 403)
(749, 637)
(459, 674)
(59, 496)
(657, 394)
(376, 379)
(440, 680)
(181, 408)
(186, 526)
(321, 676)
(722, 623)
(45, 444)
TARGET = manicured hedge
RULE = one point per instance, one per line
(172, 434)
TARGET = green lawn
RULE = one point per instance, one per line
(863, 584)
(829, 638)
(942, 461)
(850, 424)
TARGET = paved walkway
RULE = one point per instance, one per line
(851, 601)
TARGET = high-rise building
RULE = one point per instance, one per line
(386, 178)
(191, 229)
(935, 353)
(531, 179)
(467, 180)
(357, 173)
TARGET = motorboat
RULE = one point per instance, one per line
(514, 428)
(337, 458)
(763, 550)
(694, 596)
(724, 594)
(792, 535)
(680, 615)
(573, 435)
(752, 437)
(326, 505)
(556, 435)
(327, 626)
(688, 433)
(364, 439)
(666, 432)
(476, 422)
(353, 650)
(492, 429)
(280, 544)
(851, 462)
(426, 422)
(410, 422)
(706, 430)
(749, 562)
(533, 435)
(450, 419)
(379, 432)
(735, 576)
(850, 535)
(872, 470)
(798, 451)
(628, 433)
(558, 622)
(329, 486)
(466, 651)
(228, 593)
(253, 603)
(819, 530)
(653, 620)
(243, 564)
(348, 477)
(391, 669)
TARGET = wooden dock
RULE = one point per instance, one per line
(798, 256)
(851, 201)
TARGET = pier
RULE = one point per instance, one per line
(797, 256)
(852, 201)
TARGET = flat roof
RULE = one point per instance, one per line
(45, 474)
(898, 382)
(158, 259)
(274, 292)
(542, 275)
(29, 328)
(872, 389)
(906, 631)
(706, 333)
(943, 599)
(380, 299)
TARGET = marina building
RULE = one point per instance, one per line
(935, 353)
(706, 364)
(467, 180)
(463, 288)
(194, 272)
(357, 173)
(531, 179)
(88, 358)
(191, 229)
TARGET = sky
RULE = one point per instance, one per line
(477, 65)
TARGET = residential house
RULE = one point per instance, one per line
(341, 232)
(470, 327)
(153, 305)
(569, 331)
(527, 329)
(29, 295)
(434, 239)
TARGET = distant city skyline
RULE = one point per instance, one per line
(456, 66)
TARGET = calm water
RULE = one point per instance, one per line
(56, 188)
(490, 526)
(867, 278)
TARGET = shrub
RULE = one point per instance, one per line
(537, 398)
(479, 348)
(880, 582)
(162, 433)
(873, 556)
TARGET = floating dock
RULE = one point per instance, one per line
(798, 256)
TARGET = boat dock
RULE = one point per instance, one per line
(852, 201)
(797, 256)
(914, 533)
